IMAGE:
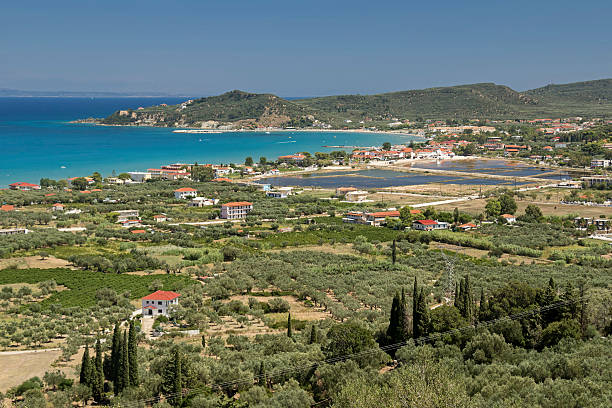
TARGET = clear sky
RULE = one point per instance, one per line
(300, 48)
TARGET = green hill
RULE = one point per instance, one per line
(476, 101)
(231, 107)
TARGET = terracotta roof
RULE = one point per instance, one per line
(7, 207)
(237, 204)
(23, 184)
(427, 222)
(150, 307)
(58, 205)
(385, 214)
(138, 231)
(223, 179)
(468, 225)
(185, 189)
(162, 295)
(507, 216)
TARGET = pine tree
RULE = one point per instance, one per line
(115, 354)
(85, 375)
(393, 253)
(289, 330)
(98, 370)
(133, 355)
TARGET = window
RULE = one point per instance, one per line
(159, 303)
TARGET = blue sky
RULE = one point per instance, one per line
(300, 48)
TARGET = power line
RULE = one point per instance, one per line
(419, 341)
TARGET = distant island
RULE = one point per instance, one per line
(243, 110)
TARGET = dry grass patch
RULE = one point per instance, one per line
(26, 262)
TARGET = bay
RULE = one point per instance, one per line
(37, 140)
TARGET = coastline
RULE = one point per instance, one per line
(193, 130)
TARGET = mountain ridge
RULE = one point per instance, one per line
(470, 101)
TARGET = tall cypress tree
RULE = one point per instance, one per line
(458, 299)
(313, 334)
(393, 333)
(289, 329)
(115, 354)
(403, 317)
(133, 355)
(263, 381)
(125, 361)
(483, 309)
(177, 388)
(422, 326)
(415, 310)
(85, 375)
(468, 299)
(393, 253)
(98, 370)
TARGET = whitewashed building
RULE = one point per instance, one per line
(159, 303)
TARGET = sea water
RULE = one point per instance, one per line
(37, 140)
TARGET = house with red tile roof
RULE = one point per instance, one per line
(185, 192)
(429, 225)
(159, 303)
(235, 210)
(7, 207)
(23, 186)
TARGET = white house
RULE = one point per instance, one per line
(356, 196)
(282, 192)
(428, 225)
(202, 202)
(510, 219)
(58, 207)
(160, 218)
(159, 303)
(185, 192)
(124, 215)
(234, 210)
(23, 186)
(376, 219)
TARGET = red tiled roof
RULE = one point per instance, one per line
(237, 204)
(427, 222)
(162, 295)
(223, 179)
(380, 214)
(468, 225)
(184, 190)
(49, 194)
(150, 307)
(7, 207)
(23, 184)
(507, 216)
(138, 231)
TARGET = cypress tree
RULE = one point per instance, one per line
(422, 326)
(458, 299)
(289, 330)
(393, 253)
(393, 329)
(115, 354)
(403, 317)
(125, 361)
(468, 299)
(133, 355)
(85, 375)
(482, 310)
(262, 374)
(203, 341)
(313, 335)
(415, 310)
(98, 369)
(177, 385)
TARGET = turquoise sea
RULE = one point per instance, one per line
(37, 141)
